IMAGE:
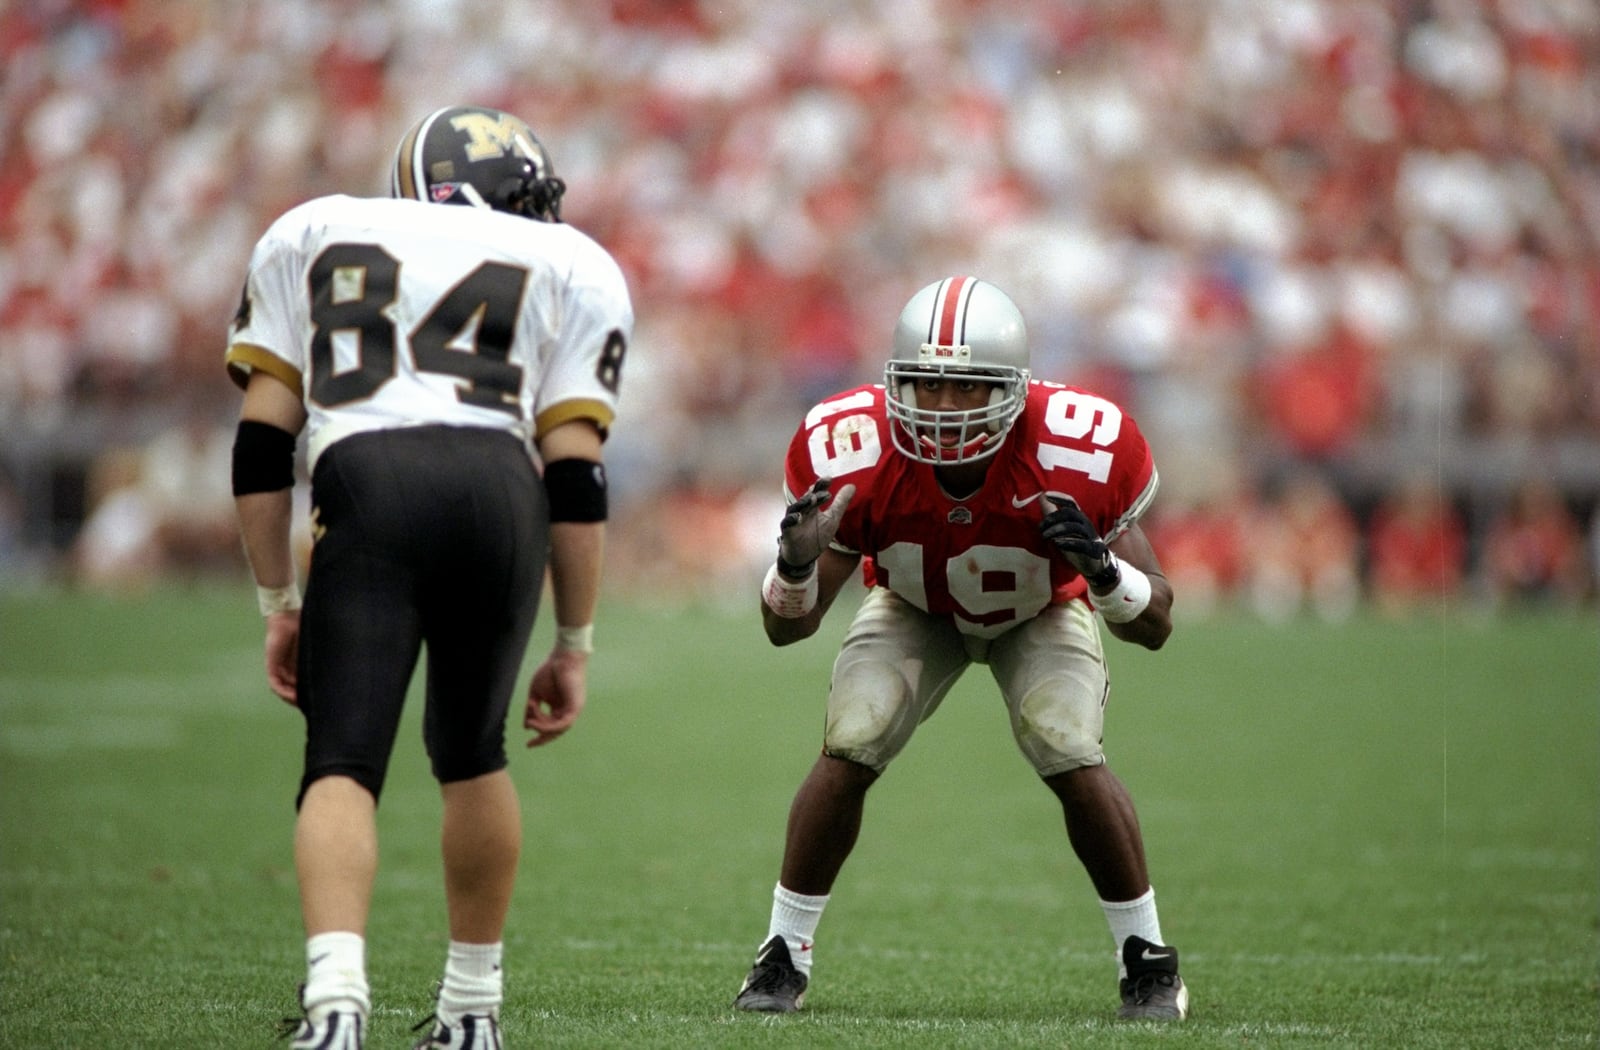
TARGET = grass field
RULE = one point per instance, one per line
(1371, 835)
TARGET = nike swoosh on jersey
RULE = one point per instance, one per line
(1020, 503)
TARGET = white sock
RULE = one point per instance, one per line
(795, 917)
(336, 975)
(1135, 918)
(473, 982)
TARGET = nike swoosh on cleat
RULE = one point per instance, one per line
(1149, 956)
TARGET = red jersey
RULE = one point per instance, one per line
(979, 560)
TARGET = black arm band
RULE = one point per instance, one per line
(263, 458)
(577, 490)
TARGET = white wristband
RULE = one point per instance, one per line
(278, 599)
(1127, 599)
(575, 639)
(786, 599)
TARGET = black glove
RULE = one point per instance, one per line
(1075, 536)
(806, 530)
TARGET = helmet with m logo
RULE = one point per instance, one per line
(478, 156)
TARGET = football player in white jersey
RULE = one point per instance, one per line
(453, 353)
(995, 516)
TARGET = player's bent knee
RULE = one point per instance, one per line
(868, 719)
(1058, 737)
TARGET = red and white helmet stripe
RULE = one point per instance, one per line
(948, 325)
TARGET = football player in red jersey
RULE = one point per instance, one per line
(994, 517)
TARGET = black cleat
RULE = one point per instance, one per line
(774, 986)
(1152, 991)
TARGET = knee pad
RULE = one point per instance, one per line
(869, 718)
(1056, 734)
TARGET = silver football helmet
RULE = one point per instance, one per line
(478, 156)
(957, 327)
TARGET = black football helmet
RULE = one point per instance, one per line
(478, 156)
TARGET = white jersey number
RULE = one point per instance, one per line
(996, 587)
(1074, 415)
(851, 442)
(847, 444)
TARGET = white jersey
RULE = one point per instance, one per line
(385, 313)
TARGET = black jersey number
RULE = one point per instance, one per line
(468, 333)
(609, 370)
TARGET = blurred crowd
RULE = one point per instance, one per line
(1340, 258)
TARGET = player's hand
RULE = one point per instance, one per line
(283, 652)
(1075, 536)
(556, 695)
(806, 529)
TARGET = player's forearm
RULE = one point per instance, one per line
(264, 526)
(1153, 626)
(576, 553)
(782, 631)
(1139, 585)
(830, 573)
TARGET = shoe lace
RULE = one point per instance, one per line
(770, 977)
(430, 1022)
(432, 1038)
(1145, 985)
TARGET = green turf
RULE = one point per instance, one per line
(1374, 835)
